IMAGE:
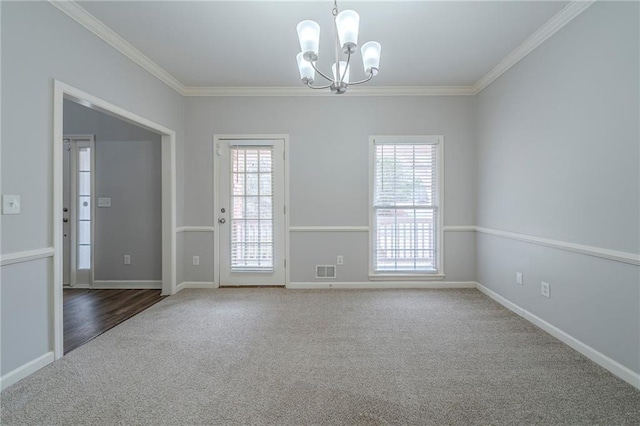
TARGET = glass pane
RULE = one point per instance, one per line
(265, 184)
(265, 162)
(237, 185)
(84, 159)
(84, 232)
(84, 257)
(252, 205)
(405, 175)
(84, 208)
(84, 183)
(405, 240)
(266, 208)
(252, 184)
(251, 160)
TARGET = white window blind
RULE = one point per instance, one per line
(405, 207)
(252, 208)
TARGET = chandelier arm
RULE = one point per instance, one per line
(346, 67)
(313, 64)
(363, 81)
(318, 87)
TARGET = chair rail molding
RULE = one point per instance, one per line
(195, 229)
(26, 256)
(614, 255)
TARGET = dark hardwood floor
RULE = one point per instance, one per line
(89, 313)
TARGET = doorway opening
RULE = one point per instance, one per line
(82, 248)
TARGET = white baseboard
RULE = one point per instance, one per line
(604, 361)
(126, 285)
(382, 284)
(195, 284)
(25, 370)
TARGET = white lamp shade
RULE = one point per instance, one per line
(344, 71)
(306, 70)
(309, 36)
(347, 23)
(371, 57)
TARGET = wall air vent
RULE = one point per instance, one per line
(325, 271)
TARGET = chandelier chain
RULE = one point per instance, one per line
(335, 8)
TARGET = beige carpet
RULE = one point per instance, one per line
(272, 356)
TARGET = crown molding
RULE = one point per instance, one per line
(93, 24)
(552, 26)
(353, 91)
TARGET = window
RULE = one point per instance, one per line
(406, 179)
(252, 208)
(84, 207)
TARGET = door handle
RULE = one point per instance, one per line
(221, 220)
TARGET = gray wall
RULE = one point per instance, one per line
(40, 44)
(558, 151)
(129, 171)
(329, 160)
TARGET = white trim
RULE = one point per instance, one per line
(366, 229)
(25, 370)
(617, 256)
(553, 25)
(93, 24)
(549, 28)
(614, 367)
(63, 91)
(381, 285)
(195, 229)
(406, 277)
(328, 229)
(26, 256)
(195, 284)
(126, 284)
(353, 91)
(459, 229)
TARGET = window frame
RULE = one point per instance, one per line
(438, 141)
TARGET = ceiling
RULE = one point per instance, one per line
(254, 43)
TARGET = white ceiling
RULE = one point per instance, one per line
(254, 43)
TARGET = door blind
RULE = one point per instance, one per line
(251, 208)
(405, 208)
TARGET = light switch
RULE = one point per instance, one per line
(104, 201)
(10, 204)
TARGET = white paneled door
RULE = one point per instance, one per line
(251, 212)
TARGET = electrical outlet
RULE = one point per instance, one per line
(545, 289)
(519, 278)
(340, 260)
(127, 259)
(196, 260)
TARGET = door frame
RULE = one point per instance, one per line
(216, 202)
(73, 209)
(63, 91)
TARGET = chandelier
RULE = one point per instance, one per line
(346, 34)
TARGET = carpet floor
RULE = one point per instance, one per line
(323, 357)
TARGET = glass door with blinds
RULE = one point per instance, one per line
(78, 205)
(251, 212)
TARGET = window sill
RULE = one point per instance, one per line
(406, 277)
